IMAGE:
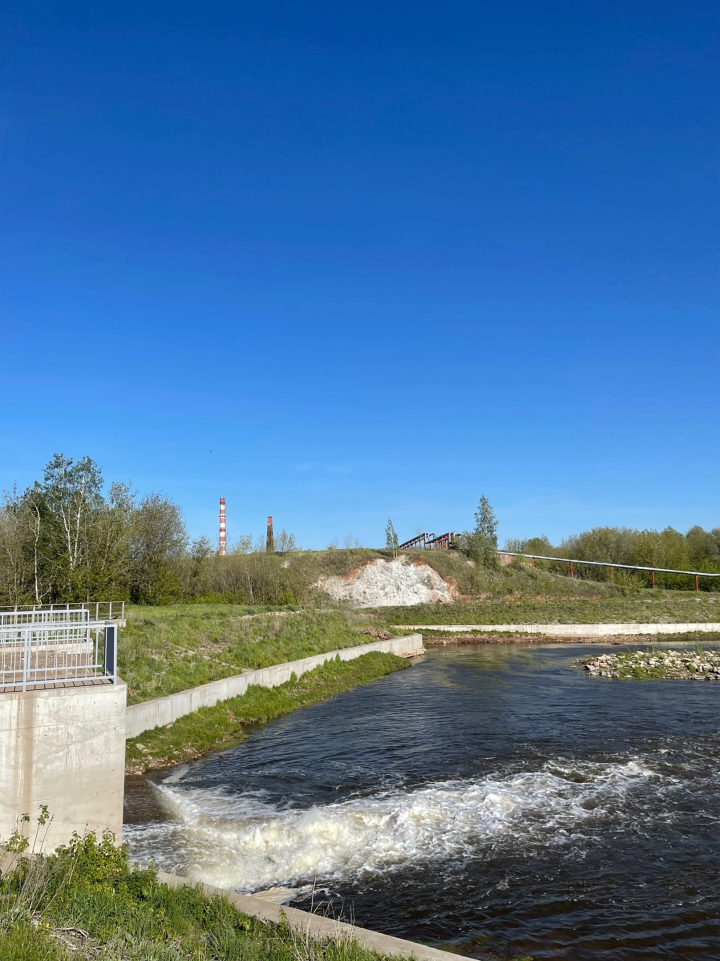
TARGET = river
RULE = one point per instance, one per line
(494, 800)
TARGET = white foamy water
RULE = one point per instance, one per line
(241, 842)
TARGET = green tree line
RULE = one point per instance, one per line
(695, 550)
(68, 537)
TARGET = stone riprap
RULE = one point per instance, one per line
(699, 665)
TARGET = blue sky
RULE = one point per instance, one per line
(343, 264)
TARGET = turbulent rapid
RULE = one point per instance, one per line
(527, 808)
(237, 841)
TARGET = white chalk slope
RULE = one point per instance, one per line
(395, 583)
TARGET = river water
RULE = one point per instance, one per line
(494, 800)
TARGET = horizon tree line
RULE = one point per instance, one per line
(70, 537)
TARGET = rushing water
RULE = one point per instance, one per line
(493, 799)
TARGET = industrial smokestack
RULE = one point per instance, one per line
(223, 535)
(270, 542)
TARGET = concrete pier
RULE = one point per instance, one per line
(63, 747)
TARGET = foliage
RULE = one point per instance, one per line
(223, 725)
(285, 543)
(697, 550)
(481, 544)
(69, 537)
(391, 538)
(88, 901)
(62, 539)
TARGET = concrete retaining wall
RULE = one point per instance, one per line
(568, 630)
(64, 747)
(164, 710)
(317, 926)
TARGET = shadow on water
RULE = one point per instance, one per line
(495, 800)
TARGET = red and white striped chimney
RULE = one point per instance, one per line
(223, 535)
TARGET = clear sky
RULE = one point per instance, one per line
(340, 263)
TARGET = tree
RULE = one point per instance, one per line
(285, 543)
(391, 538)
(481, 544)
(17, 524)
(485, 521)
(158, 544)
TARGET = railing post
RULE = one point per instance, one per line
(110, 656)
(26, 659)
(697, 583)
(653, 579)
(572, 570)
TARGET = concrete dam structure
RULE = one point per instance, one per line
(64, 717)
(62, 723)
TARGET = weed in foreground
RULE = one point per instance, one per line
(85, 900)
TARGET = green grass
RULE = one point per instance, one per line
(85, 902)
(644, 606)
(226, 723)
(168, 649)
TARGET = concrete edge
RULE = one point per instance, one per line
(570, 630)
(314, 924)
(161, 711)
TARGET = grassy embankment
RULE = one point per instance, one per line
(227, 723)
(592, 607)
(167, 649)
(84, 902)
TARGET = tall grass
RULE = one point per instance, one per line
(88, 903)
(167, 649)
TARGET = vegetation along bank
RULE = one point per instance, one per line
(227, 723)
(86, 902)
(168, 649)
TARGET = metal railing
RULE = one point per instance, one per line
(96, 610)
(51, 653)
(429, 542)
(612, 565)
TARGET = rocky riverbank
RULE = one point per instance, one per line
(697, 665)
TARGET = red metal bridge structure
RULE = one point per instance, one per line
(429, 542)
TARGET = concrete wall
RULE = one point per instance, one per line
(568, 630)
(164, 710)
(63, 747)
